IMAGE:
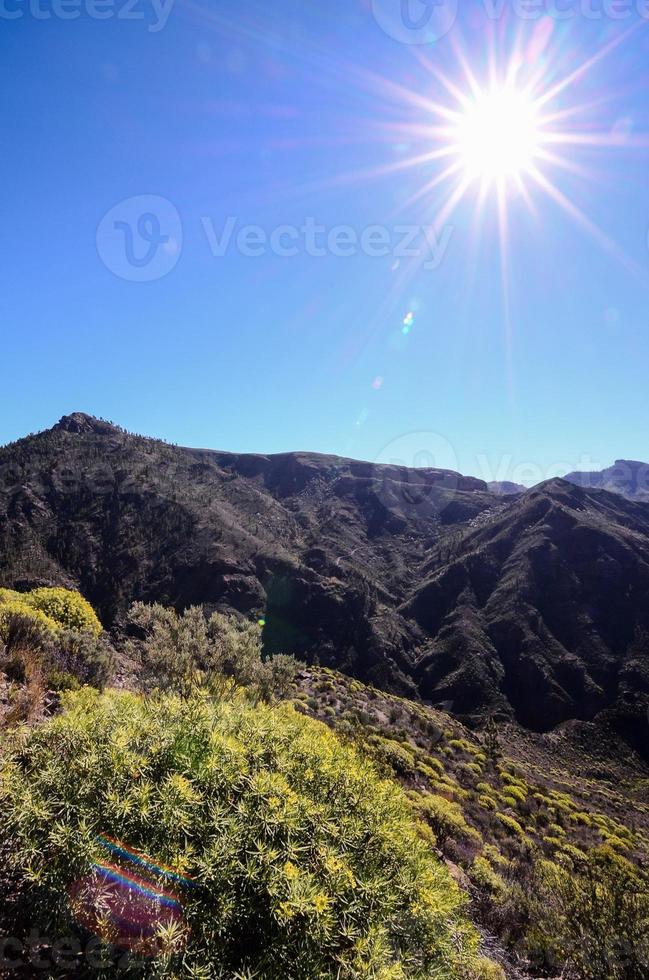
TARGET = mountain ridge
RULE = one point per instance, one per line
(421, 581)
(627, 477)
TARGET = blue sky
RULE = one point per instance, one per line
(284, 113)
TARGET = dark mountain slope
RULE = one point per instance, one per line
(545, 607)
(326, 548)
(535, 604)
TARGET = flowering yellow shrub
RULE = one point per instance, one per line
(68, 608)
(51, 609)
(302, 862)
(17, 607)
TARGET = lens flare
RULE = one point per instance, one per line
(129, 901)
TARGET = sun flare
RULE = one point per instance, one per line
(498, 135)
(491, 138)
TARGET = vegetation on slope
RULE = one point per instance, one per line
(419, 581)
(207, 829)
(53, 609)
(294, 858)
(556, 863)
(206, 832)
(50, 640)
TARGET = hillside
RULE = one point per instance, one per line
(627, 477)
(420, 581)
(543, 608)
(191, 822)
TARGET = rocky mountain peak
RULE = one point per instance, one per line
(81, 423)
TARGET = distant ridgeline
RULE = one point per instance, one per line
(530, 605)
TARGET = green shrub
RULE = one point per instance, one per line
(432, 775)
(297, 859)
(50, 609)
(483, 875)
(445, 818)
(485, 788)
(400, 759)
(516, 793)
(59, 680)
(473, 768)
(13, 610)
(595, 916)
(182, 651)
(88, 656)
(487, 802)
(616, 842)
(277, 675)
(488, 970)
(511, 824)
(556, 830)
(495, 858)
(434, 764)
(460, 745)
(67, 608)
(38, 653)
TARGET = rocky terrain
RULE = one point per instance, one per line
(627, 477)
(423, 582)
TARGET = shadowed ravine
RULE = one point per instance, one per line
(533, 605)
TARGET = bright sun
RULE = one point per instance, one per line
(498, 135)
(498, 141)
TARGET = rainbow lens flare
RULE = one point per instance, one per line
(124, 902)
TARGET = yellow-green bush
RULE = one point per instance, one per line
(68, 608)
(11, 607)
(482, 874)
(397, 756)
(582, 818)
(435, 764)
(473, 768)
(487, 802)
(516, 793)
(51, 609)
(485, 788)
(595, 916)
(445, 818)
(304, 862)
(488, 970)
(495, 858)
(511, 824)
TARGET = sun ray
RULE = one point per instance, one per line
(440, 178)
(563, 163)
(585, 222)
(598, 139)
(586, 66)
